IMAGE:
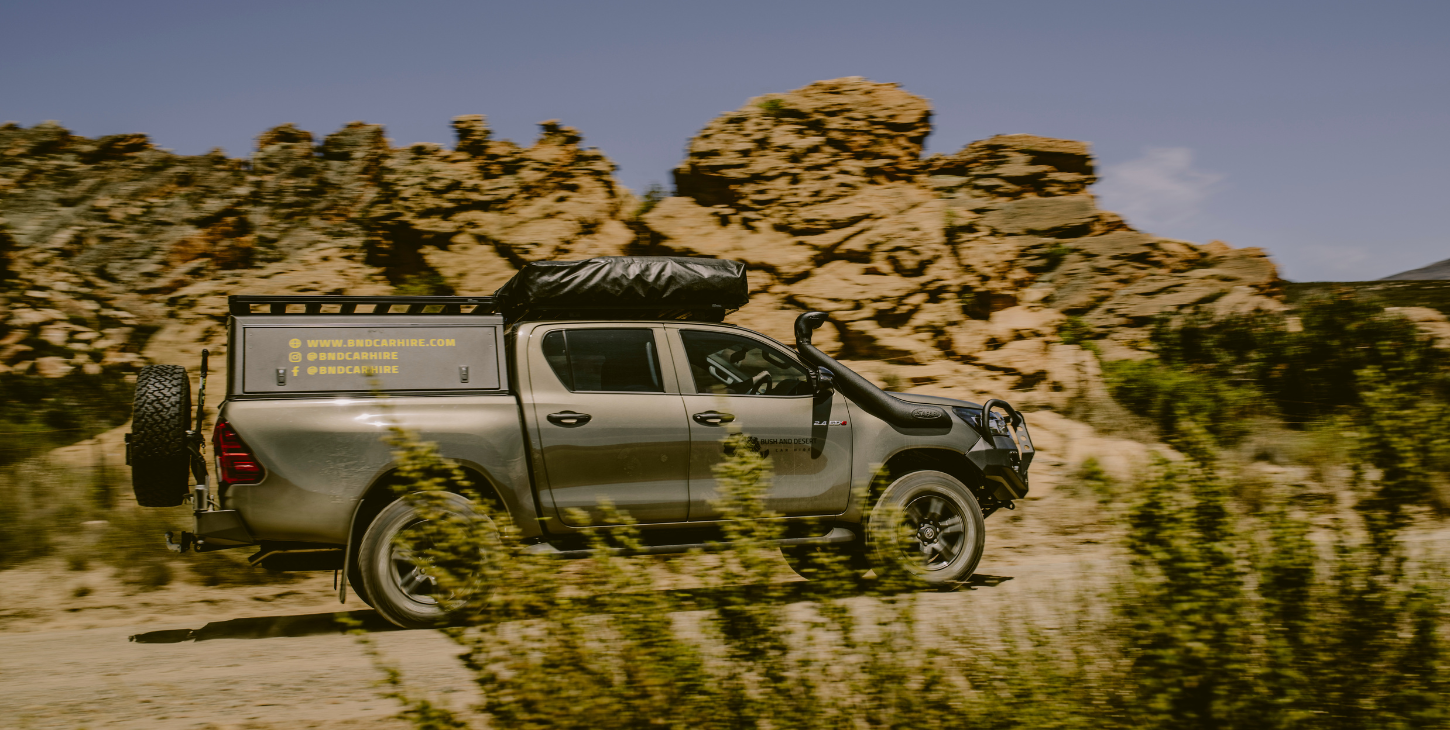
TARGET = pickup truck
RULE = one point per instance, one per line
(550, 411)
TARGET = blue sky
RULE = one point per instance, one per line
(1317, 130)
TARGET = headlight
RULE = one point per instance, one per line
(973, 417)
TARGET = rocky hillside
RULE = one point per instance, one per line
(104, 241)
(955, 270)
(975, 272)
(1432, 272)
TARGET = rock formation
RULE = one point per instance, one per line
(955, 271)
(104, 241)
(788, 157)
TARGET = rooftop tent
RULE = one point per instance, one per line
(632, 287)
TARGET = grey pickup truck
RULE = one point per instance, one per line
(609, 379)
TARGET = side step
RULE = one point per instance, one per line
(837, 536)
(280, 558)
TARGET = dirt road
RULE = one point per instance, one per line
(268, 656)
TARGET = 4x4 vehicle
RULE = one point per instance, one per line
(612, 378)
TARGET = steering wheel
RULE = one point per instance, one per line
(760, 383)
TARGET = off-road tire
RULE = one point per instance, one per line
(160, 463)
(383, 566)
(958, 529)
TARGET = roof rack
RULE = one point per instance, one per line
(242, 304)
(702, 313)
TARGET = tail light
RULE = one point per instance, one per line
(235, 463)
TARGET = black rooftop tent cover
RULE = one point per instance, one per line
(631, 287)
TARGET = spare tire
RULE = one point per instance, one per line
(160, 463)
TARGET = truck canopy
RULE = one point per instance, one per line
(293, 345)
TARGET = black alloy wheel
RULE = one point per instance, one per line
(929, 525)
(940, 530)
(393, 581)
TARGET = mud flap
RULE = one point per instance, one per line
(222, 528)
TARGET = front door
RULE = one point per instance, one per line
(737, 380)
(609, 424)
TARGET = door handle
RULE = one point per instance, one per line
(568, 418)
(713, 418)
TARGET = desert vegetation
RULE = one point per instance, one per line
(83, 517)
(1219, 618)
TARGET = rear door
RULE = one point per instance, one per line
(610, 422)
(731, 377)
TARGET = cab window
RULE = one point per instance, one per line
(730, 364)
(604, 360)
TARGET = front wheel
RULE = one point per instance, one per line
(393, 580)
(928, 525)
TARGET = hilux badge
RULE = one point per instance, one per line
(828, 423)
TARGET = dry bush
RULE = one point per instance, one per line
(1222, 621)
(81, 516)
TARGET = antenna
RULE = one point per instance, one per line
(201, 391)
(201, 501)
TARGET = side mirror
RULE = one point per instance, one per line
(825, 382)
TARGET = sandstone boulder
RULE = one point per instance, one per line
(1433, 323)
(1068, 216)
(52, 367)
(1012, 166)
(810, 146)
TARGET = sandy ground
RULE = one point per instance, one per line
(188, 656)
(264, 657)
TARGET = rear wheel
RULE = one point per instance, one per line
(160, 463)
(392, 579)
(928, 525)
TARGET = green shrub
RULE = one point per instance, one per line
(1184, 611)
(1405, 437)
(38, 504)
(39, 414)
(1092, 480)
(597, 646)
(147, 574)
(1249, 625)
(1075, 331)
(49, 509)
(774, 107)
(1172, 397)
(652, 197)
(1313, 372)
(1221, 621)
(1348, 366)
(230, 567)
(1055, 255)
(892, 381)
(423, 283)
